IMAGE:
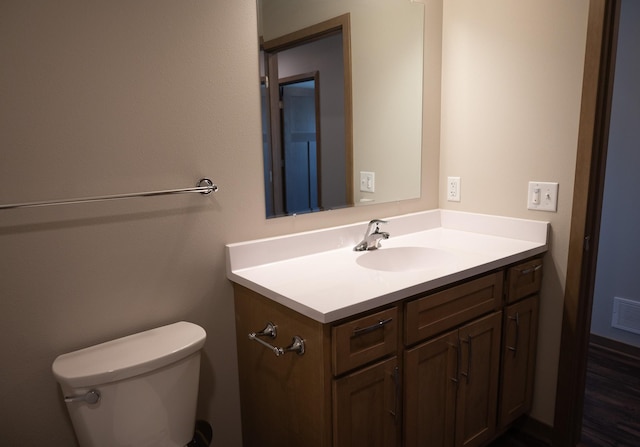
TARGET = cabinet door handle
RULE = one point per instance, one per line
(396, 398)
(467, 373)
(514, 348)
(531, 269)
(380, 324)
(454, 379)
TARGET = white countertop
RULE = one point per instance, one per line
(318, 274)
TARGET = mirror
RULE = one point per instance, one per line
(351, 105)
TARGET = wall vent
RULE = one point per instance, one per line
(626, 315)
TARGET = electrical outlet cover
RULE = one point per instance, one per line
(453, 189)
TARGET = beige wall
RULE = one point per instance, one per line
(116, 97)
(108, 97)
(511, 87)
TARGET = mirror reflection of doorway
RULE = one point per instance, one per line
(307, 130)
(299, 99)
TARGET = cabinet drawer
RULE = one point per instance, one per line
(438, 312)
(364, 340)
(524, 279)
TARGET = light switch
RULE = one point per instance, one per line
(543, 196)
(367, 181)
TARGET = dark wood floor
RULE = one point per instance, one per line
(611, 406)
(612, 399)
(516, 438)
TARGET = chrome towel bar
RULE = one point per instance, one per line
(270, 330)
(204, 186)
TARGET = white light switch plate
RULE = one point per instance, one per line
(543, 196)
(367, 181)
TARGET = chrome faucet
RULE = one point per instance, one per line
(372, 239)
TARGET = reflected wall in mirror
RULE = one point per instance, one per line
(341, 94)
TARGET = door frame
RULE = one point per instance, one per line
(593, 137)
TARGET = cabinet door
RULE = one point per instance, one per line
(518, 359)
(366, 407)
(477, 400)
(431, 378)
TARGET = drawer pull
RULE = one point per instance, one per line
(297, 343)
(373, 327)
(531, 270)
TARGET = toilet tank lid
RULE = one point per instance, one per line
(128, 356)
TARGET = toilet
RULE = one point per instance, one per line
(140, 390)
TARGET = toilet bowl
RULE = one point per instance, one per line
(139, 390)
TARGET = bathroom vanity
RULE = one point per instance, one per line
(431, 342)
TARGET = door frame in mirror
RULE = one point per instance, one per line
(270, 49)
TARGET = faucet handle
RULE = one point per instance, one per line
(377, 223)
(370, 240)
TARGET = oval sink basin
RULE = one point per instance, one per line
(403, 259)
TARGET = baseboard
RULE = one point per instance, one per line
(614, 345)
(536, 429)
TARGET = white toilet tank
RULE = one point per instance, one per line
(139, 390)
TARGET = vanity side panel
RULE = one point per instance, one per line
(285, 400)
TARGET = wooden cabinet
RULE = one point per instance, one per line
(366, 402)
(524, 279)
(367, 407)
(440, 311)
(518, 359)
(363, 340)
(449, 368)
(478, 383)
(285, 400)
(519, 341)
(346, 386)
(451, 386)
(432, 370)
